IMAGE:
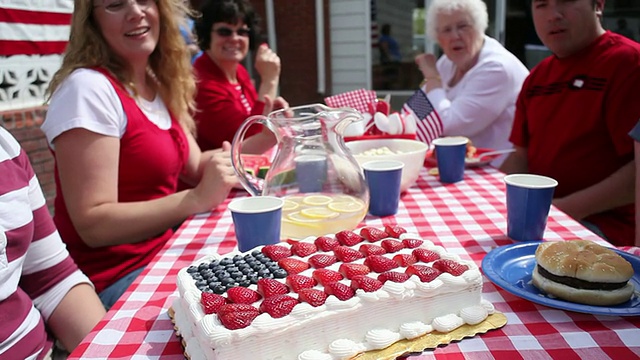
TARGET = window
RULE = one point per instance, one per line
(398, 35)
(623, 17)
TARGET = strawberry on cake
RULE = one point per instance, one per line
(324, 298)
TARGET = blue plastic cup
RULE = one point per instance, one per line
(311, 172)
(256, 220)
(528, 203)
(383, 178)
(451, 153)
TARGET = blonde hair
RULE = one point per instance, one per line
(169, 64)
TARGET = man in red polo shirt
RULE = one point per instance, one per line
(574, 114)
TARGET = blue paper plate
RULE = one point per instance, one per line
(511, 266)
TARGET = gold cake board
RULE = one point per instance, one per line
(428, 341)
(434, 339)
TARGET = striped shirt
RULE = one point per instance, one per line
(36, 271)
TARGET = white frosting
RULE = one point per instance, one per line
(304, 311)
(333, 303)
(344, 348)
(428, 289)
(488, 306)
(414, 329)
(338, 329)
(396, 290)
(447, 323)
(450, 281)
(314, 355)
(381, 338)
(474, 314)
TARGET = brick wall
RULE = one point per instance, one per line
(24, 125)
(296, 34)
(295, 22)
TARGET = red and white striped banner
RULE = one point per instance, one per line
(34, 27)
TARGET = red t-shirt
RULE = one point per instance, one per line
(151, 159)
(222, 106)
(574, 114)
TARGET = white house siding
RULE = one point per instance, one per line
(351, 52)
(350, 45)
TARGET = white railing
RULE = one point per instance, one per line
(24, 80)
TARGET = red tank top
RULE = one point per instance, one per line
(151, 159)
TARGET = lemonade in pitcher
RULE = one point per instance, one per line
(317, 214)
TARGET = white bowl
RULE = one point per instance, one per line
(410, 152)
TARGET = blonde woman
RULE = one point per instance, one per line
(119, 125)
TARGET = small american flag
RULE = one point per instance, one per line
(429, 125)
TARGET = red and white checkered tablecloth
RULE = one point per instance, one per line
(467, 218)
(358, 99)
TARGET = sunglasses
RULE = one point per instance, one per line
(226, 32)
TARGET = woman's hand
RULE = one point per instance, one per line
(271, 105)
(427, 65)
(280, 103)
(267, 64)
(218, 177)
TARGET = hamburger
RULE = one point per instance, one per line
(582, 271)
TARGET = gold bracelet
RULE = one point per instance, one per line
(425, 80)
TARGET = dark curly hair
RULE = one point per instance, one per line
(227, 11)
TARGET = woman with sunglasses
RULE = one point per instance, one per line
(225, 94)
(120, 128)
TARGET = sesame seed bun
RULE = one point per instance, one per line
(584, 272)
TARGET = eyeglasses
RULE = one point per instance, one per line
(458, 28)
(226, 32)
(118, 6)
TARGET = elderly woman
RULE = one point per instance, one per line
(474, 85)
(119, 123)
(225, 94)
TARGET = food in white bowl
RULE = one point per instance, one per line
(410, 152)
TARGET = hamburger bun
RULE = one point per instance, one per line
(584, 272)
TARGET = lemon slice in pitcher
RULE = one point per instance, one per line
(319, 213)
(346, 206)
(290, 205)
(298, 217)
(317, 200)
(343, 198)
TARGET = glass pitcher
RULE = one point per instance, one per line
(321, 182)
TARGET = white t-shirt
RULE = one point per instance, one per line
(86, 99)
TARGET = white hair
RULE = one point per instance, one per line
(477, 9)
